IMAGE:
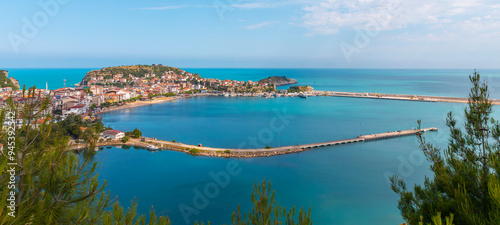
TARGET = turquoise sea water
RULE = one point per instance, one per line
(438, 82)
(343, 184)
(53, 77)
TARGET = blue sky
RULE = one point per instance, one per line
(251, 33)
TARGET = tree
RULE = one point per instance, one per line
(466, 182)
(136, 133)
(125, 139)
(51, 185)
(266, 211)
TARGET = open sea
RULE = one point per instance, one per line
(345, 184)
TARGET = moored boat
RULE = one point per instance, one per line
(152, 148)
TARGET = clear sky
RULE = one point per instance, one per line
(251, 33)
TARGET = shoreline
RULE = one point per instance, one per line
(139, 104)
(400, 97)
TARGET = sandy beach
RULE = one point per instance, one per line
(138, 104)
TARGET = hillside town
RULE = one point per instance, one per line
(103, 90)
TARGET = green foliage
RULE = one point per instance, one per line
(268, 147)
(170, 94)
(117, 216)
(125, 139)
(192, 92)
(278, 80)
(267, 211)
(228, 151)
(437, 220)
(6, 82)
(137, 71)
(173, 141)
(295, 89)
(58, 186)
(54, 186)
(466, 182)
(136, 133)
(194, 151)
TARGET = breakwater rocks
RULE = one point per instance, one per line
(152, 144)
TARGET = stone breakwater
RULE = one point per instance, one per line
(248, 153)
(421, 98)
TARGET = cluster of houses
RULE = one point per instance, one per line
(96, 90)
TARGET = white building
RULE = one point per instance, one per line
(113, 134)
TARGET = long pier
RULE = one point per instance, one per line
(247, 153)
(404, 97)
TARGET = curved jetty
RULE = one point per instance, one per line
(248, 153)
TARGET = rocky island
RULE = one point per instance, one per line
(278, 81)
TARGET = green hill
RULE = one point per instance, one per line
(135, 70)
(7, 82)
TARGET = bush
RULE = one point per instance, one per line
(173, 141)
(228, 151)
(194, 151)
(125, 139)
(268, 147)
(136, 133)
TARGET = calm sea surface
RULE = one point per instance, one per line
(343, 184)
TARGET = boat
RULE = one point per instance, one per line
(226, 94)
(302, 95)
(151, 148)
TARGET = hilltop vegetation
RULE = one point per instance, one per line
(135, 70)
(6, 82)
(278, 81)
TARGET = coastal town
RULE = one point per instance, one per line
(102, 90)
(116, 88)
